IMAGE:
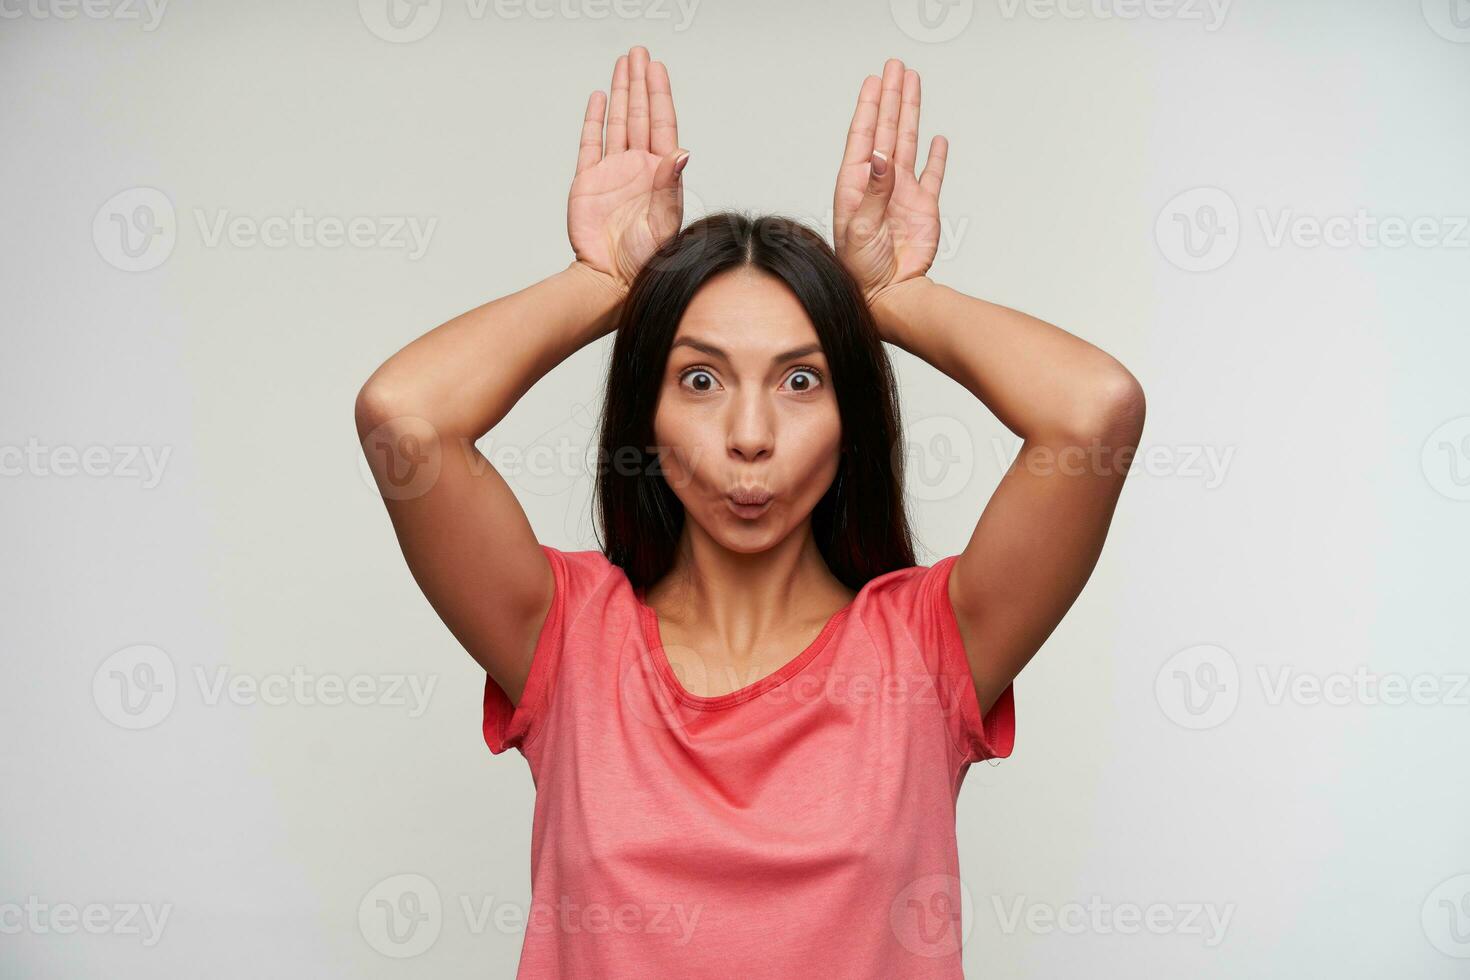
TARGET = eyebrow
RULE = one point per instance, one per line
(714, 351)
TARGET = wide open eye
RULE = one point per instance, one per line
(704, 380)
(810, 379)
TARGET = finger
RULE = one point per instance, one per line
(638, 98)
(885, 136)
(666, 209)
(869, 217)
(933, 176)
(906, 152)
(590, 151)
(617, 117)
(864, 120)
(664, 126)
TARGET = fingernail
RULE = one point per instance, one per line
(880, 164)
(679, 163)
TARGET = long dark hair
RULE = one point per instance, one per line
(860, 524)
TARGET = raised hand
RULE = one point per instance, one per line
(886, 220)
(627, 196)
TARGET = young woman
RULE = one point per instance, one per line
(749, 715)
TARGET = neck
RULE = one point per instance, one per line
(737, 598)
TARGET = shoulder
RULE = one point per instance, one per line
(906, 591)
(909, 609)
(582, 577)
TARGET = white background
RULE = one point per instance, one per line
(1157, 761)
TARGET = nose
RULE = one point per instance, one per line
(751, 435)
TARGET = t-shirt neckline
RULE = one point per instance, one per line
(655, 647)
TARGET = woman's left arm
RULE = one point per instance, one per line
(1078, 411)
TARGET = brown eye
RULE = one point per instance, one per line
(805, 379)
(705, 382)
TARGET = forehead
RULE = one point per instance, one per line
(747, 309)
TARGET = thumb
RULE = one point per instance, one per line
(666, 209)
(869, 215)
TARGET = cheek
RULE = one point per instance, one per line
(683, 445)
(811, 443)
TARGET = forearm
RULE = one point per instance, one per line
(465, 375)
(1043, 383)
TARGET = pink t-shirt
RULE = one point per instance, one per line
(802, 826)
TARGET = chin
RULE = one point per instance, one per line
(745, 537)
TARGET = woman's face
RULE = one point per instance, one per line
(746, 404)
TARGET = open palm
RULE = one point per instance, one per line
(886, 225)
(626, 197)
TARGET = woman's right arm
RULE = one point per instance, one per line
(461, 529)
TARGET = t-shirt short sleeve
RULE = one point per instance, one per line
(577, 574)
(919, 598)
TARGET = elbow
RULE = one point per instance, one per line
(1112, 412)
(1123, 408)
(377, 404)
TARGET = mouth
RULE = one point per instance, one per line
(749, 503)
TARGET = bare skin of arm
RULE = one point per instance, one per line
(462, 531)
(1078, 411)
